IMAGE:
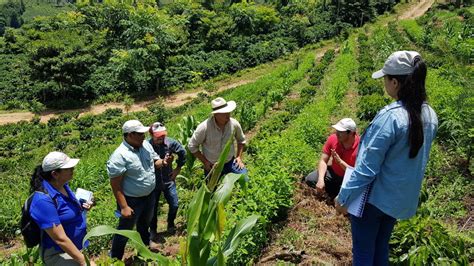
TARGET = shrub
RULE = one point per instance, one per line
(425, 241)
(369, 105)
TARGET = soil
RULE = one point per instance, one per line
(321, 236)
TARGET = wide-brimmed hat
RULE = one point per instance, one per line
(345, 124)
(134, 126)
(158, 129)
(398, 64)
(219, 105)
(57, 160)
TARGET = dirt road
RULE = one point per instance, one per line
(173, 100)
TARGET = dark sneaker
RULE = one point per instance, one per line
(153, 235)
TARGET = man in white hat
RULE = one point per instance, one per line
(131, 169)
(166, 147)
(212, 135)
(342, 147)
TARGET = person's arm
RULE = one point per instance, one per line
(378, 139)
(160, 163)
(240, 138)
(238, 158)
(58, 235)
(322, 168)
(116, 184)
(336, 158)
(207, 164)
(196, 140)
(177, 148)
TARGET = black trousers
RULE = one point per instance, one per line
(332, 181)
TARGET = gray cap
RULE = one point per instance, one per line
(398, 63)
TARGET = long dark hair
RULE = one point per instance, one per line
(412, 94)
(37, 177)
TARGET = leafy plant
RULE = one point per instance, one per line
(247, 115)
(369, 105)
(425, 241)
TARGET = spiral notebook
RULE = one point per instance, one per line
(356, 207)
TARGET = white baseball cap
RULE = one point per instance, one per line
(158, 129)
(134, 126)
(398, 63)
(219, 105)
(345, 124)
(57, 160)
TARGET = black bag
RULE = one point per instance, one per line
(29, 229)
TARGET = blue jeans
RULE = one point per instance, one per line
(171, 196)
(231, 167)
(370, 236)
(143, 209)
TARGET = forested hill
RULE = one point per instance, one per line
(96, 49)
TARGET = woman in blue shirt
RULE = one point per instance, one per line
(392, 157)
(57, 212)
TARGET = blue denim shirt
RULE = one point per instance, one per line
(54, 208)
(384, 161)
(136, 166)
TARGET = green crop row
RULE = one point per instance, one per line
(280, 158)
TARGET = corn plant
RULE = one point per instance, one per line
(186, 130)
(206, 218)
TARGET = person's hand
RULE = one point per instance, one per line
(87, 205)
(169, 158)
(174, 174)
(207, 166)
(336, 157)
(239, 163)
(339, 209)
(320, 186)
(126, 212)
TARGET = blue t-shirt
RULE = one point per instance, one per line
(54, 208)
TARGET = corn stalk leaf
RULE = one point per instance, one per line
(135, 241)
(215, 172)
(223, 193)
(220, 220)
(234, 237)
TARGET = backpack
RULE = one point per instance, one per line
(30, 230)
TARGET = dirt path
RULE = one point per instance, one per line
(418, 10)
(173, 100)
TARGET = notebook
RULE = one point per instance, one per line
(356, 207)
(82, 194)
